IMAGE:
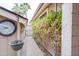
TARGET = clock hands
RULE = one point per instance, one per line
(2, 26)
(7, 27)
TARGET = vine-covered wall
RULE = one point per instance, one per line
(44, 30)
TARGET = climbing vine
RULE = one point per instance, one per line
(43, 29)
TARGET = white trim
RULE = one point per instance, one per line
(66, 29)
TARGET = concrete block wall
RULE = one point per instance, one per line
(75, 30)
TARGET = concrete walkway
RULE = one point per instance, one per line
(32, 48)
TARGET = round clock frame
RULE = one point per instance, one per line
(14, 24)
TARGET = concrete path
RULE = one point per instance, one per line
(32, 48)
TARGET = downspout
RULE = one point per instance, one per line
(18, 29)
(18, 33)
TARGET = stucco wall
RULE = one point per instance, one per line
(5, 49)
(51, 6)
(23, 50)
(12, 16)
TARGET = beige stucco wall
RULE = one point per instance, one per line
(5, 49)
(51, 6)
(47, 8)
(23, 50)
(12, 16)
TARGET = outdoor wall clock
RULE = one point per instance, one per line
(7, 27)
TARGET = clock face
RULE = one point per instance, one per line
(8, 28)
